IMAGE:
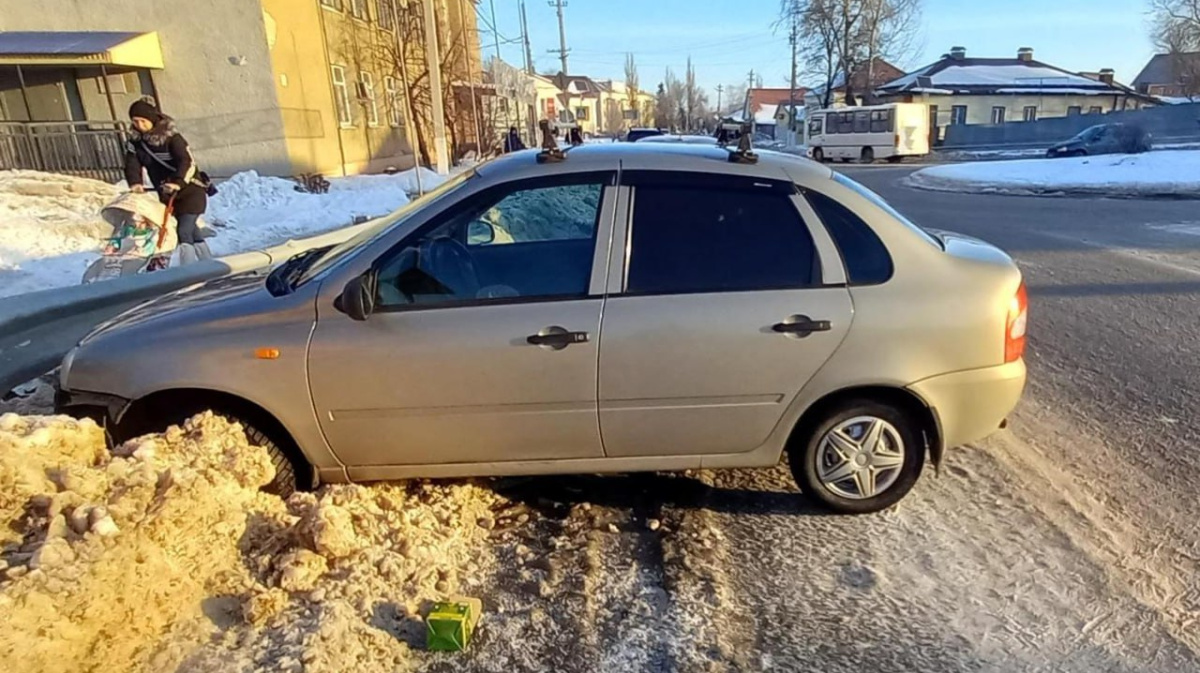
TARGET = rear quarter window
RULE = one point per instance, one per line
(866, 257)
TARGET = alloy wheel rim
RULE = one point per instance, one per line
(860, 458)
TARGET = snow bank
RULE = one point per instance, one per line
(50, 226)
(164, 555)
(1146, 175)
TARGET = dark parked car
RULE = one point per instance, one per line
(635, 135)
(1103, 139)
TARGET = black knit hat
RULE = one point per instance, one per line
(146, 110)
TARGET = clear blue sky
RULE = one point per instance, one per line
(727, 38)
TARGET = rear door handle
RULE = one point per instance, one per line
(557, 338)
(802, 326)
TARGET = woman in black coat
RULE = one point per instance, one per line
(156, 147)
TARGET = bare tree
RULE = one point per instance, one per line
(1176, 31)
(631, 81)
(695, 100)
(669, 103)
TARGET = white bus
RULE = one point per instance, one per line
(866, 134)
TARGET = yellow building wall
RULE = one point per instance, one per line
(979, 108)
(302, 85)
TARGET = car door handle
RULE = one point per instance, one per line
(802, 326)
(557, 338)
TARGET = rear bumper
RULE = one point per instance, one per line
(971, 405)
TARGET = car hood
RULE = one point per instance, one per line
(1068, 145)
(197, 301)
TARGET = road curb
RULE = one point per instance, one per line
(933, 184)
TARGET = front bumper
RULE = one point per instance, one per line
(971, 405)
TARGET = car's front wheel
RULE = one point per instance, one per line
(819, 155)
(859, 457)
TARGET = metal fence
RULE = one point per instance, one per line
(87, 149)
(1168, 124)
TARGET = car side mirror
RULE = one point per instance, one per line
(481, 232)
(358, 297)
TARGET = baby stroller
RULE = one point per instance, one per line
(142, 240)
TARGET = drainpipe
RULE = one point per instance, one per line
(329, 79)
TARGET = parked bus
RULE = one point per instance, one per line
(866, 134)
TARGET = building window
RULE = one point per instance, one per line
(1074, 111)
(366, 93)
(386, 11)
(998, 114)
(581, 113)
(358, 9)
(1030, 113)
(1095, 110)
(958, 115)
(393, 100)
(332, 4)
(341, 96)
(115, 82)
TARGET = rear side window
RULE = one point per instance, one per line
(867, 259)
(695, 234)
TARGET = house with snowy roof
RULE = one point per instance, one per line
(963, 90)
(880, 74)
(762, 108)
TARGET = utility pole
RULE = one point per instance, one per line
(433, 56)
(496, 65)
(562, 50)
(531, 126)
(720, 88)
(467, 51)
(794, 40)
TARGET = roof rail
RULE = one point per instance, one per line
(744, 154)
(550, 152)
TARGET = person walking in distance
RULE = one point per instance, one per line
(158, 149)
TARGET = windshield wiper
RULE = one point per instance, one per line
(283, 280)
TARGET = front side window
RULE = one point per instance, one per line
(816, 126)
(532, 239)
(696, 233)
(866, 258)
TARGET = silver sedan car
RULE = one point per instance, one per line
(616, 308)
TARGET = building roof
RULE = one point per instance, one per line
(883, 73)
(580, 85)
(1161, 70)
(80, 48)
(761, 104)
(962, 75)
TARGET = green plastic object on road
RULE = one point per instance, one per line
(450, 624)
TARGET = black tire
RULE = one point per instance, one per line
(895, 159)
(819, 155)
(867, 156)
(290, 475)
(804, 451)
(1078, 153)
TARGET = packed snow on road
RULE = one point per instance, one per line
(1167, 173)
(51, 229)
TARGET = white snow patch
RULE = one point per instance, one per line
(51, 230)
(1151, 174)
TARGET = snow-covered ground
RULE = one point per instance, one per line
(50, 226)
(1171, 173)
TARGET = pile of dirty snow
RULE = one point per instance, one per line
(51, 230)
(164, 555)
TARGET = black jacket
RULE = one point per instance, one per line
(165, 156)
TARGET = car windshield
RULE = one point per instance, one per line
(887, 207)
(336, 253)
(1090, 134)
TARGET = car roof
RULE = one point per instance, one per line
(655, 156)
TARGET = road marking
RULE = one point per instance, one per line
(1128, 253)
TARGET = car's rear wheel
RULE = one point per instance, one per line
(867, 156)
(859, 457)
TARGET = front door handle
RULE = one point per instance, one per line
(802, 326)
(557, 338)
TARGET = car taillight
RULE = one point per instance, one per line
(1014, 326)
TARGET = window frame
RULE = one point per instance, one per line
(999, 113)
(1030, 113)
(1096, 110)
(958, 115)
(360, 10)
(334, 5)
(1074, 110)
(391, 89)
(385, 13)
(367, 81)
(822, 245)
(600, 237)
(345, 111)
